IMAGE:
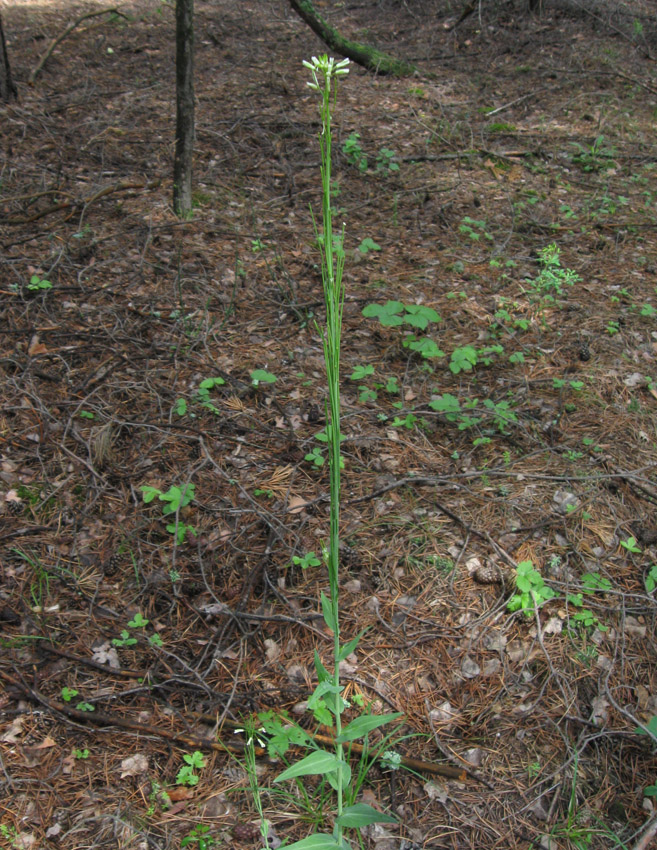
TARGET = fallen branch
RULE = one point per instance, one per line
(362, 54)
(69, 29)
(198, 742)
(74, 203)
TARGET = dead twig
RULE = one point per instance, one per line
(73, 204)
(650, 831)
(58, 39)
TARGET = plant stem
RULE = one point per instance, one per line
(332, 253)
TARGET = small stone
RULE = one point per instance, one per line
(469, 668)
(444, 716)
(474, 756)
(491, 667)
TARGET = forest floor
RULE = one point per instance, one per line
(511, 187)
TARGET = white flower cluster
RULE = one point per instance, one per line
(327, 67)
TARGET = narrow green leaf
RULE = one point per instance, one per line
(322, 673)
(327, 611)
(319, 841)
(354, 817)
(319, 762)
(348, 648)
(362, 725)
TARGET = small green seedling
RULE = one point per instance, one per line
(203, 396)
(125, 639)
(86, 414)
(474, 229)
(68, 694)
(85, 706)
(354, 152)
(260, 376)
(368, 244)
(175, 499)
(651, 579)
(407, 421)
(38, 284)
(81, 754)
(532, 590)
(361, 372)
(463, 359)
(424, 346)
(199, 837)
(584, 618)
(138, 621)
(315, 457)
(593, 582)
(187, 774)
(631, 546)
(551, 278)
(308, 560)
(385, 161)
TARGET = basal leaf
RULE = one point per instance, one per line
(359, 727)
(319, 841)
(361, 815)
(319, 762)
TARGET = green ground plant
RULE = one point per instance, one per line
(187, 775)
(475, 229)
(395, 313)
(38, 284)
(174, 500)
(594, 157)
(552, 277)
(532, 591)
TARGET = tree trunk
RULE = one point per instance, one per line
(369, 57)
(8, 90)
(182, 164)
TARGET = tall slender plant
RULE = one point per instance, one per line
(327, 702)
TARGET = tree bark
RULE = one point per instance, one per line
(362, 54)
(8, 90)
(183, 160)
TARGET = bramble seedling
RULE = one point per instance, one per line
(175, 499)
(187, 774)
(631, 546)
(650, 580)
(125, 639)
(368, 245)
(354, 152)
(394, 313)
(308, 560)
(463, 359)
(199, 838)
(532, 590)
(474, 229)
(385, 162)
(38, 284)
(361, 372)
(261, 376)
